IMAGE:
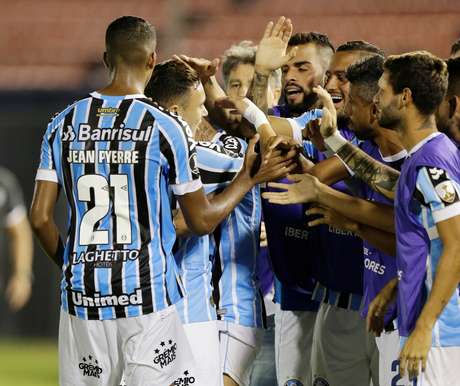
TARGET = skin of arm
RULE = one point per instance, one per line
(307, 188)
(42, 219)
(379, 177)
(21, 246)
(446, 281)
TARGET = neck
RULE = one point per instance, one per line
(205, 131)
(388, 141)
(414, 129)
(124, 82)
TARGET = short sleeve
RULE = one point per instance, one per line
(437, 190)
(179, 149)
(298, 123)
(46, 169)
(11, 198)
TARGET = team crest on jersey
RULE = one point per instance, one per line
(193, 162)
(187, 379)
(446, 191)
(293, 382)
(90, 367)
(320, 381)
(165, 353)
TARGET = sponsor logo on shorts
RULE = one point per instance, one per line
(165, 354)
(293, 382)
(90, 367)
(320, 381)
(187, 379)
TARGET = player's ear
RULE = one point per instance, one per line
(152, 60)
(174, 109)
(105, 60)
(406, 97)
(454, 106)
(372, 113)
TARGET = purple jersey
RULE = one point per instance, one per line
(379, 268)
(428, 192)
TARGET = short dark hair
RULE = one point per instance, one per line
(365, 74)
(360, 45)
(125, 36)
(171, 80)
(453, 67)
(455, 47)
(301, 38)
(421, 72)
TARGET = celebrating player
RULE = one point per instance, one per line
(115, 154)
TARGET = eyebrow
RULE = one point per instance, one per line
(300, 64)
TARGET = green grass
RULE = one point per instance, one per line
(28, 363)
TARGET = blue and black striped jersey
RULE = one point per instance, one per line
(116, 158)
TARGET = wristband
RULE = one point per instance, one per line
(335, 141)
(254, 115)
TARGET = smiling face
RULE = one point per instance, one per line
(303, 72)
(336, 82)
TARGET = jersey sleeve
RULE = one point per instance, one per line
(298, 123)
(437, 190)
(179, 148)
(217, 165)
(47, 169)
(11, 193)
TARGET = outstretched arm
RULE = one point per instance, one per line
(307, 188)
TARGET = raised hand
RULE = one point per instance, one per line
(329, 120)
(204, 67)
(271, 51)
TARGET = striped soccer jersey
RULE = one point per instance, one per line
(428, 193)
(218, 166)
(115, 158)
(237, 240)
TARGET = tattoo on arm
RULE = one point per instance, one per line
(379, 177)
(258, 91)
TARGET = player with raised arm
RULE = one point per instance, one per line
(177, 87)
(115, 154)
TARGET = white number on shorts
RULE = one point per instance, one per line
(101, 188)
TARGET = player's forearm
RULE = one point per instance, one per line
(384, 241)
(329, 171)
(365, 212)
(21, 248)
(281, 126)
(258, 91)
(379, 177)
(47, 233)
(445, 283)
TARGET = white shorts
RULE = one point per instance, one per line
(204, 343)
(343, 352)
(238, 349)
(150, 349)
(388, 345)
(293, 341)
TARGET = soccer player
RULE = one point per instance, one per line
(177, 87)
(14, 221)
(448, 113)
(427, 218)
(116, 154)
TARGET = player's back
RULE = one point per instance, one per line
(114, 157)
